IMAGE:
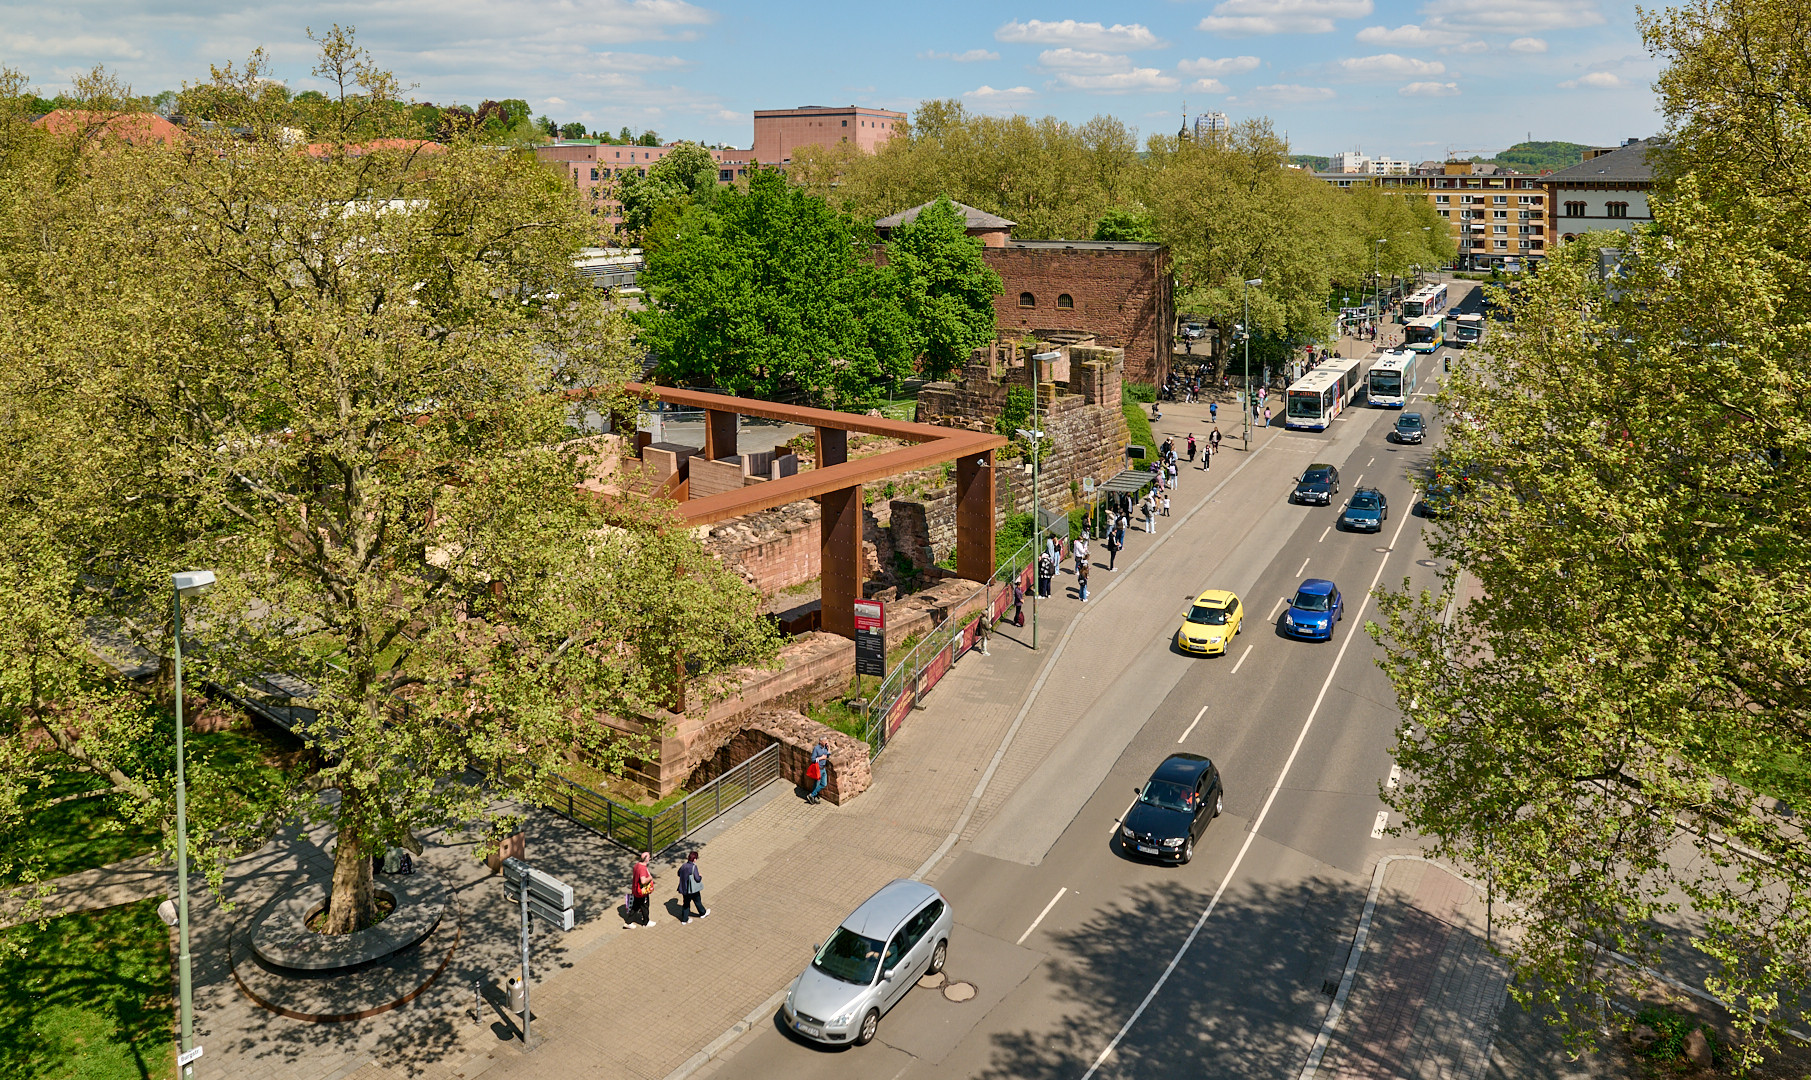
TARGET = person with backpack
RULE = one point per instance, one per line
(691, 889)
(641, 890)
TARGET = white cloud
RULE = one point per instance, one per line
(987, 95)
(1078, 60)
(1208, 86)
(1085, 35)
(1231, 65)
(1430, 89)
(1119, 82)
(1389, 66)
(555, 102)
(1510, 16)
(1469, 47)
(84, 46)
(1410, 36)
(1597, 80)
(969, 57)
(1528, 45)
(1243, 18)
(1285, 94)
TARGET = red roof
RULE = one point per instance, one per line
(131, 127)
(424, 146)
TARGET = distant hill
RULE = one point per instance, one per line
(1309, 161)
(1532, 157)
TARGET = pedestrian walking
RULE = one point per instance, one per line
(1150, 513)
(1191, 446)
(1046, 571)
(1081, 577)
(1213, 441)
(1207, 456)
(1213, 412)
(641, 889)
(818, 772)
(1266, 416)
(1166, 505)
(1018, 601)
(1111, 543)
(1081, 553)
(691, 889)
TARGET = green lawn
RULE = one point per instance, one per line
(1138, 425)
(88, 997)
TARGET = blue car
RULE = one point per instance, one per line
(1313, 611)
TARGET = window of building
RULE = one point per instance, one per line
(845, 123)
(1465, 200)
(1502, 244)
(1064, 300)
(1446, 213)
(1617, 209)
(1500, 215)
(1499, 229)
(1499, 199)
(594, 174)
(1575, 209)
(1027, 300)
(726, 174)
(1442, 200)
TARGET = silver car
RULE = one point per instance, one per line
(898, 935)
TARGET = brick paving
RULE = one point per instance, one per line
(1428, 991)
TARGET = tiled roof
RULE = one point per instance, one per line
(1625, 163)
(132, 127)
(972, 218)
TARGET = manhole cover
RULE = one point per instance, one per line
(932, 981)
(1384, 551)
(959, 991)
(1425, 562)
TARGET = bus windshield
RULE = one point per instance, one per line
(1412, 334)
(1388, 383)
(1305, 404)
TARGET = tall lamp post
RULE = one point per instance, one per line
(1377, 277)
(1037, 466)
(190, 583)
(1250, 402)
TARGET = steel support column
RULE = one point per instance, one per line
(832, 447)
(841, 562)
(975, 516)
(719, 434)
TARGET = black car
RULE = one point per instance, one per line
(1366, 511)
(1173, 809)
(1410, 428)
(1317, 485)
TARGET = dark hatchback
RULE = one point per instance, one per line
(1409, 428)
(1317, 485)
(1173, 809)
(1366, 511)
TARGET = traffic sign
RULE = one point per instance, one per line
(187, 1057)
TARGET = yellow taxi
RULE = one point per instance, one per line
(1209, 623)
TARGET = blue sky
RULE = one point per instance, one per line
(1406, 78)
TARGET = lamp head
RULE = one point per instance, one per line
(193, 582)
(1255, 281)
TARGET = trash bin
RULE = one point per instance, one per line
(518, 997)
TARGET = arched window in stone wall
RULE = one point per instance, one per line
(1065, 301)
(1027, 300)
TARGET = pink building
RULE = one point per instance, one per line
(779, 131)
(591, 165)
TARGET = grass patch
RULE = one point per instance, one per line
(1138, 428)
(88, 997)
(839, 716)
(626, 794)
(1133, 392)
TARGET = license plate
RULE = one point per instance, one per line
(1149, 850)
(807, 1029)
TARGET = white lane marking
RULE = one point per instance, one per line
(1041, 914)
(1273, 616)
(1251, 832)
(1382, 822)
(1298, 573)
(1114, 831)
(1395, 777)
(1324, 533)
(1370, 463)
(1360, 480)
(1198, 716)
(1242, 656)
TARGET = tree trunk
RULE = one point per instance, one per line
(352, 905)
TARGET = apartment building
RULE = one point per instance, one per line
(1607, 190)
(779, 132)
(1498, 219)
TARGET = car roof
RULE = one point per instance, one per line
(880, 914)
(1216, 597)
(1315, 586)
(1356, 492)
(1184, 768)
(1317, 465)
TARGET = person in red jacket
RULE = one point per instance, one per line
(641, 888)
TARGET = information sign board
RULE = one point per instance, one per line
(870, 637)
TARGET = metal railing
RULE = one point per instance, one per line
(640, 831)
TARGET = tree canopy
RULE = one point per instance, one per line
(1618, 730)
(686, 174)
(945, 287)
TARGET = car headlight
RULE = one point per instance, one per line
(1175, 842)
(1288, 620)
(845, 1016)
(1126, 831)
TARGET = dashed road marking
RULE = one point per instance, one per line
(1324, 533)
(1242, 656)
(1041, 914)
(1383, 821)
(1114, 831)
(1395, 777)
(1305, 562)
(1273, 616)
(1198, 716)
(1370, 463)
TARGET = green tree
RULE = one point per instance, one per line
(358, 418)
(687, 173)
(574, 130)
(647, 138)
(945, 286)
(771, 292)
(1127, 224)
(1614, 732)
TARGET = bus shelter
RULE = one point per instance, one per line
(1127, 483)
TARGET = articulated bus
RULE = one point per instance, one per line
(1467, 330)
(1425, 334)
(1312, 402)
(1391, 380)
(1430, 300)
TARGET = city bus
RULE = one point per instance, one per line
(1467, 330)
(1391, 380)
(1313, 402)
(1430, 300)
(1425, 334)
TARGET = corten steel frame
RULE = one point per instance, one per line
(836, 484)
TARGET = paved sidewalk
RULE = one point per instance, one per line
(1428, 991)
(123, 882)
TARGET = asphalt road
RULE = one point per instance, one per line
(1090, 964)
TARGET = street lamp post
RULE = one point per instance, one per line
(191, 583)
(1377, 277)
(1037, 465)
(1250, 402)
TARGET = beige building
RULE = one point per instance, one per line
(1497, 218)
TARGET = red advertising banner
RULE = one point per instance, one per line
(934, 670)
(897, 714)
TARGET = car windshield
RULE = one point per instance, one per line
(1316, 476)
(1208, 616)
(1307, 601)
(1364, 502)
(1167, 794)
(850, 957)
(1411, 420)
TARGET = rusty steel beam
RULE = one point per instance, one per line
(840, 558)
(975, 515)
(719, 434)
(796, 414)
(832, 447)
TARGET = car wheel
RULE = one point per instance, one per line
(1219, 802)
(1188, 850)
(870, 1025)
(941, 954)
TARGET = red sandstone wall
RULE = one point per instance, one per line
(1122, 297)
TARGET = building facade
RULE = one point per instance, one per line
(1497, 219)
(1120, 294)
(779, 132)
(1607, 190)
(593, 166)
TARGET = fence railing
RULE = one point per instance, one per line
(933, 655)
(640, 831)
